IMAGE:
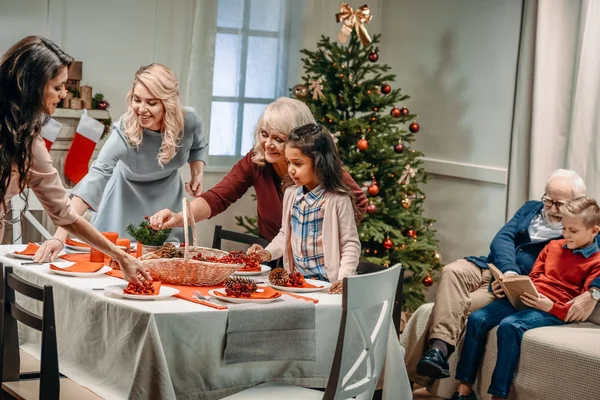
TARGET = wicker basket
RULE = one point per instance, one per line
(185, 271)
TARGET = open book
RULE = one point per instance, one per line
(514, 286)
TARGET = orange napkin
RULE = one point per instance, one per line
(76, 243)
(83, 266)
(76, 257)
(186, 293)
(267, 293)
(250, 268)
(306, 285)
(297, 296)
(30, 250)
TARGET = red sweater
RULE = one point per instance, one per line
(562, 275)
(269, 193)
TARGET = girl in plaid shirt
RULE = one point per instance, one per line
(318, 236)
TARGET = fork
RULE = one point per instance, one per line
(199, 296)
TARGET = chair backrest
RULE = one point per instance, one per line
(367, 304)
(223, 234)
(9, 342)
(365, 267)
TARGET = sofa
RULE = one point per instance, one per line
(557, 363)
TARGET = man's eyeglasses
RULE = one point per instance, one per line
(548, 202)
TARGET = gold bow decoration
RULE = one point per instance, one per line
(317, 87)
(409, 172)
(354, 19)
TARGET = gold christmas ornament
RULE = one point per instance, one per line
(300, 92)
(406, 202)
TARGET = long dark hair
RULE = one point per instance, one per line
(25, 69)
(315, 141)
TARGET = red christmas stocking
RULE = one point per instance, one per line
(78, 158)
(50, 132)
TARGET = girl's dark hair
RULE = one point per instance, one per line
(25, 69)
(315, 141)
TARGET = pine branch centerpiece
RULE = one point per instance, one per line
(147, 236)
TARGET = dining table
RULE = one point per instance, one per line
(173, 348)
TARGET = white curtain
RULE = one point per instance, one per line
(557, 97)
(197, 76)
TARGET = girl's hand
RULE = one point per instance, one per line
(497, 289)
(48, 251)
(194, 186)
(166, 219)
(541, 302)
(257, 249)
(336, 287)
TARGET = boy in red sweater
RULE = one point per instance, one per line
(563, 270)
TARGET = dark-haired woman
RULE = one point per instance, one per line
(33, 73)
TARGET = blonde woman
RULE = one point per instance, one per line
(265, 168)
(135, 174)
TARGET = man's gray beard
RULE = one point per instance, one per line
(553, 224)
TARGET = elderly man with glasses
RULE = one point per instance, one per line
(464, 285)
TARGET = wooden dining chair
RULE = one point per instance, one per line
(365, 267)
(238, 237)
(367, 304)
(20, 385)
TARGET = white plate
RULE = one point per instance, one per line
(165, 292)
(101, 271)
(20, 256)
(326, 285)
(240, 299)
(263, 269)
(77, 248)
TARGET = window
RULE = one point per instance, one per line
(250, 70)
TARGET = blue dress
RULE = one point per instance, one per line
(126, 184)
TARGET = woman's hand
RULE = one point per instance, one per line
(540, 302)
(133, 271)
(166, 219)
(257, 249)
(194, 186)
(48, 250)
(497, 289)
(336, 287)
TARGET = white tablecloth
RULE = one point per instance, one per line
(171, 349)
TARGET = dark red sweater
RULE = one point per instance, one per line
(562, 275)
(269, 193)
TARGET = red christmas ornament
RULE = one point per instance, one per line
(362, 144)
(412, 233)
(388, 244)
(399, 148)
(371, 208)
(385, 88)
(373, 190)
(404, 111)
(414, 127)
(396, 113)
(373, 57)
(428, 281)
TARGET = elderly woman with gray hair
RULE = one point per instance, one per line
(265, 168)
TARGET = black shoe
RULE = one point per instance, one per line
(434, 365)
(455, 396)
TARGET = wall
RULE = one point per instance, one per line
(456, 59)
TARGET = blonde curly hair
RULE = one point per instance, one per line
(163, 84)
(283, 115)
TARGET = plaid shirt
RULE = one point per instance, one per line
(307, 233)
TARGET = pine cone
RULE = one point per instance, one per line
(168, 250)
(279, 277)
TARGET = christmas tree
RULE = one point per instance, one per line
(353, 95)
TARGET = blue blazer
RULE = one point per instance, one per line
(512, 248)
